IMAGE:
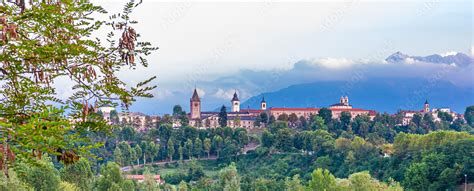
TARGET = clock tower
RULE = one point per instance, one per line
(263, 104)
(195, 103)
(235, 103)
(426, 107)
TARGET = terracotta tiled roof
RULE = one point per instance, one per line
(347, 109)
(293, 109)
(372, 112)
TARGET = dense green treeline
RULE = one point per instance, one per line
(295, 147)
(335, 154)
(46, 177)
(165, 143)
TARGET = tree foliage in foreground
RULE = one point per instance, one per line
(49, 44)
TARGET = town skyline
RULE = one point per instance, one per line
(251, 118)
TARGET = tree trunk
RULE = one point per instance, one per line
(144, 159)
(208, 154)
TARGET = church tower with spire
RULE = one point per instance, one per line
(195, 105)
(235, 103)
(426, 107)
(263, 104)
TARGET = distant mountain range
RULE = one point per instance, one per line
(460, 59)
(381, 94)
(384, 94)
(400, 82)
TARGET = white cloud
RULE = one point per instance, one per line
(201, 92)
(450, 53)
(342, 63)
(162, 93)
(472, 51)
(192, 29)
(409, 61)
(63, 86)
(334, 63)
(224, 94)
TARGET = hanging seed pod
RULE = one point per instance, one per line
(13, 32)
(3, 34)
(3, 20)
(10, 154)
(41, 76)
(37, 153)
(86, 107)
(67, 157)
(35, 74)
(48, 81)
(132, 58)
(94, 73)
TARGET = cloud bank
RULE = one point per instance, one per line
(248, 82)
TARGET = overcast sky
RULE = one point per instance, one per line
(204, 40)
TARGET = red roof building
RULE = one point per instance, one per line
(336, 110)
(141, 178)
(300, 112)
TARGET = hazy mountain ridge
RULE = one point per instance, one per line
(381, 94)
(401, 73)
(459, 59)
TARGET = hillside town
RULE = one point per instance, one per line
(250, 118)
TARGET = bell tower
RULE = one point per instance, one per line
(346, 100)
(195, 105)
(263, 104)
(235, 103)
(426, 107)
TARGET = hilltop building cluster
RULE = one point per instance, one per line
(407, 115)
(246, 118)
(138, 119)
